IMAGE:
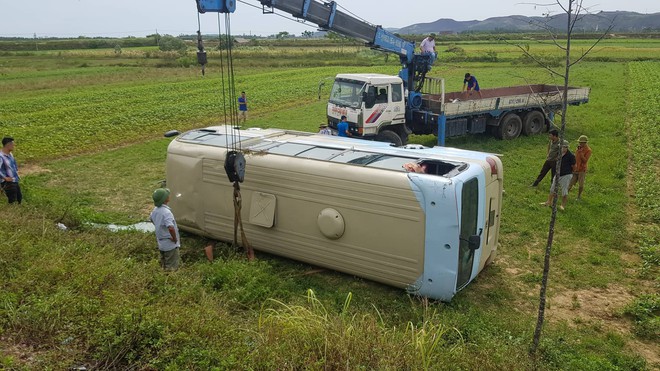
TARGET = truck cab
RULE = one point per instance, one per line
(374, 105)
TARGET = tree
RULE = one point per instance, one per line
(156, 37)
(282, 35)
(307, 34)
(574, 11)
(171, 43)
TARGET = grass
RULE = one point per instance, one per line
(92, 297)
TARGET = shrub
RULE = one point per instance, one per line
(645, 310)
(171, 43)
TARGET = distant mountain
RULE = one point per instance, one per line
(622, 21)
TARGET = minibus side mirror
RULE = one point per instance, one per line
(474, 242)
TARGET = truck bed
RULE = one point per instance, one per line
(504, 99)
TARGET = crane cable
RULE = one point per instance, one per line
(234, 159)
(235, 138)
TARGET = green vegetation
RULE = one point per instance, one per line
(89, 124)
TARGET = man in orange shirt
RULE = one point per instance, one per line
(582, 155)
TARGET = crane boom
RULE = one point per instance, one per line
(326, 16)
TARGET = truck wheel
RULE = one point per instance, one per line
(390, 137)
(534, 123)
(510, 127)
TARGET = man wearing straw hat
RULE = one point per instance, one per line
(323, 129)
(582, 155)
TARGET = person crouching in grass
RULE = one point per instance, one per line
(167, 232)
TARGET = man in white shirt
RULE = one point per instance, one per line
(9, 172)
(167, 232)
(323, 129)
(428, 47)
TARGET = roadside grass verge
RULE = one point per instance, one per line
(98, 299)
(644, 136)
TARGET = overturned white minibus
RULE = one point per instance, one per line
(346, 204)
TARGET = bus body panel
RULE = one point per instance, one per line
(385, 224)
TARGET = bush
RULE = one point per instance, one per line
(645, 311)
(171, 43)
(452, 48)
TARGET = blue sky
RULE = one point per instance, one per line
(120, 18)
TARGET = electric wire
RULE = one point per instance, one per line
(224, 88)
(299, 20)
(354, 15)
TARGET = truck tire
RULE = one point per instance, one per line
(510, 127)
(390, 137)
(533, 123)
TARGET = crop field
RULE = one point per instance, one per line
(89, 142)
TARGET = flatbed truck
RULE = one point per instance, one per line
(375, 108)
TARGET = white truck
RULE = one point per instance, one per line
(376, 108)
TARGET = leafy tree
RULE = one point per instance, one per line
(225, 43)
(307, 34)
(171, 43)
(282, 35)
(156, 37)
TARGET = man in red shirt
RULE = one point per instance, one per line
(582, 155)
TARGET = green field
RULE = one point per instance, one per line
(89, 125)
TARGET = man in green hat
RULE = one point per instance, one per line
(167, 232)
(582, 155)
(427, 47)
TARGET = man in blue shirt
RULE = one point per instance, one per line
(9, 172)
(342, 128)
(470, 84)
(242, 107)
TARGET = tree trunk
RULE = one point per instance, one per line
(551, 231)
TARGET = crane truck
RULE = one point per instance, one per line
(389, 108)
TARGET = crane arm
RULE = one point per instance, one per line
(327, 17)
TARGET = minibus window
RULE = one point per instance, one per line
(320, 153)
(356, 157)
(469, 214)
(290, 149)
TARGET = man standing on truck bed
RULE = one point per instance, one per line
(470, 84)
(551, 157)
(428, 47)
